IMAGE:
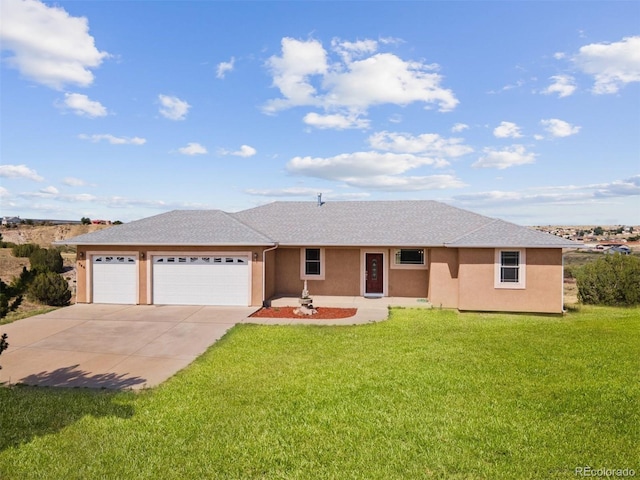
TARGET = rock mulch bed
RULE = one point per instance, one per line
(324, 313)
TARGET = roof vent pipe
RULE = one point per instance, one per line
(320, 199)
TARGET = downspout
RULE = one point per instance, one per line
(264, 273)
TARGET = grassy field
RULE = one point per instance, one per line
(427, 394)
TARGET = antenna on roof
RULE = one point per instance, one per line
(320, 202)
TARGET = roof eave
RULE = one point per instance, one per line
(578, 245)
(165, 244)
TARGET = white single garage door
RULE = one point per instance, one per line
(114, 279)
(201, 280)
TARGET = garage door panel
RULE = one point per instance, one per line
(114, 279)
(201, 280)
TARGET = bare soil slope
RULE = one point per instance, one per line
(45, 235)
(10, 266)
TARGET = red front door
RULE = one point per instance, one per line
(373, 274)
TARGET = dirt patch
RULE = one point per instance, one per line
(46, 234)
(324, 313)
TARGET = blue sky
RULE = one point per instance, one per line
(526, 111)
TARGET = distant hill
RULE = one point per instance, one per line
(45, 235)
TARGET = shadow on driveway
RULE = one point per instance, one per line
(75, 377)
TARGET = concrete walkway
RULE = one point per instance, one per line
(374, 309)
(139, 346)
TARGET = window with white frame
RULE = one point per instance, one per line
(409, 256)
(510, 268)
(312, 264)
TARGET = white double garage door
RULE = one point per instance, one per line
(175, 279)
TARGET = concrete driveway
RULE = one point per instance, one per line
(111, 346)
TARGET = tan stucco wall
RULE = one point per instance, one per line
(443, 277)
(455, 278)
(543, 290)
(270, 274)
(343, 269)
(342, 272)
(143, 294)
(408, 283)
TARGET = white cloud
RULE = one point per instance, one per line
(74, 182)
(4, 193)
(352, 85)
(613, 65)
(286, 192)
(430, 144)
(245, 151)
(81, 105)
(386, 78)
(113, 140)
(390, 183)
(291, 72)
(224, 67)
(357, 164)
(49, 46)
(507, 130)
(384, 167)
(505, 158)
(193, 148)
(563, 85)
(566, 194)
(349, 50)
(459, 127)
(618, 188)
(19, 171)
(173, 108)
(559, 55)
(51, 190)
(335, 121)
(559, 128)
(391, 40)
(506, 88)
(52, 193)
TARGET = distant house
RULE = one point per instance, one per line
(426, 249)
(10, 221)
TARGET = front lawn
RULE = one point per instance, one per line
(427, 394)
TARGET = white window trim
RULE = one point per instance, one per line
(303, 259)
(522, 274)
(409, 266)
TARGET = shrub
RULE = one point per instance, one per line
(570, 271)
(10, 300)
(24, 250)
(44, 260)
(3, 343)
(11, 295)
(51, 289)
(613, 280)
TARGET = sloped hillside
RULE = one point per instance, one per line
(45, 235)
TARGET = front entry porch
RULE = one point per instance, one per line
(353, 301)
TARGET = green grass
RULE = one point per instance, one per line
(19, 315)
(428, 394)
